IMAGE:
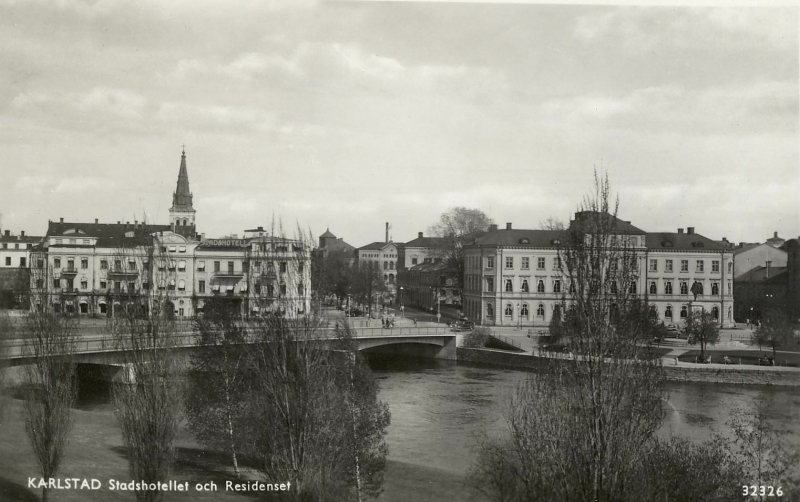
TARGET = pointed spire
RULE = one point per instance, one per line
(182, 198)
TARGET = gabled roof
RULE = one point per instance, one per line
(747, 247)
(339, 246)
(525, 238)
(377, 246)
(622, 226)
(431, 266)
(764, 275)
(426, 242)
(18, 238)
(107, 234)
(682, 242)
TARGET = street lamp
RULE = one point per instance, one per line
(347, 312)
(519, 316)
(402, 309)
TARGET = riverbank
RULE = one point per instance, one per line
(676, 371)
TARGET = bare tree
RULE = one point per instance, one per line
(218, 377)
(702, 329)
(147, 401)
(458, 227)
(50, 386)
(552, 224)
(579, 431)
(775, 331)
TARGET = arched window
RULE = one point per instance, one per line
(653, 312)
(572, 287)
(540, 286)
(668, 312)
(557, 286)
(653, 287)
(385, 278)
(300, 289)
(715, 312)
(391, 278)
(509, 310)
(525, 288)
(391, 265)
(540, 310)
(632, 288)
(182, 285)
(489, 311)
(386, 265)
(684, 288)
(509, 286)
(524, 311)
(668, 288)
(715, 288)
(684, 312)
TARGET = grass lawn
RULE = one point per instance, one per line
(747, 356)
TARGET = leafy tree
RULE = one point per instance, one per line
(458, 227)
(775, 331)
(219, 383)
(702, 329)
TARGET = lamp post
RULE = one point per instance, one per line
(402, 309)
(438, 308)
(519, 316)
(347, 313)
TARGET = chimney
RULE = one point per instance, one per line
(387, 232)
(96, 221)
(508, 226)
(493, 227)
(768, 264)
(419, 235)
(690, 230)
(776, 234)
(8, 233)
(680, 230)
(118, 222)
(260, 229)
(61, 220)
(22, 233)
(202, 236)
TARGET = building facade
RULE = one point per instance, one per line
(514, 278)
(384, 256)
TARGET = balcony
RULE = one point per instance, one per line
(229, 273)
(69, 271)
(121, 272)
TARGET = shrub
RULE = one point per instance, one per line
(477, 338)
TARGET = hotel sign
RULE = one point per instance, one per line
(225, 243)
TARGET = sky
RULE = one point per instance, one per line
(347, 115)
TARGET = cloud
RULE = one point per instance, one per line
(119, 102)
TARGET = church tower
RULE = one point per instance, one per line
(181, 214)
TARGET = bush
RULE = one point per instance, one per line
(477, 338)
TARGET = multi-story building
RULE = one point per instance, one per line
(417, 251)
(429, 285)
(96, 268)
(15, 251)
(513, 277)
(384, 256)
(750, 256)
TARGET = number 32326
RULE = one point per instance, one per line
(762, 491)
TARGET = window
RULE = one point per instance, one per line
(730, 267)
(614, 287)
(668, 288)
(715, 312)
(700, 265)
(201, 266)
(216, 266)
(131, 265)
(84, 284)
(172, 264)
(57, 283)
(490, 262)
(230, 267)
(540, 310)
(70, 264)
(714, 288)
(714, 266)
(117, 264)
(117, 285)
(526, 262)
(489, 311)
(524, 311)
(668, 266)
(300, 266)
(171, 285)
(684, 312)
(557, 264)
(182, 249)
(283, 289)
(490, 284)
(283, 267)
(181, 265)
(729, 287)
(181, 285)
(653, 265)
(131, 287)
(632, 288)
(270, 290)
(540, 286)
(509, 286)
(557, 286)
(172, 249)
(509, 262)
(525, 286)
(39, 283)
(540, 262)
(102, 284)
(84, 263)
(201, 286)
(684, 288)
(653, 287)
(104, 264)
(386, 265)
(684, 265)
(300, 289)
(668, 312)
(413, 261)
(509, 310)
(8, 261)
(572, 287)
(40, 263)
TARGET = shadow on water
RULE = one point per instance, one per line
(384, 363)
(11, 491)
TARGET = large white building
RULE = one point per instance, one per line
(96, 268)
(512, 277)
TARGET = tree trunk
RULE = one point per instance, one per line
(44, 494)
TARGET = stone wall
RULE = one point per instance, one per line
(699, 373)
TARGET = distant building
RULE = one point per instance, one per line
(512, 277)
(750, 256)
(776, 241)
(384, 256)
(15, 251)
(330, 245)
(792, 248)
(418, 251)
(760, 290)
(429, 285)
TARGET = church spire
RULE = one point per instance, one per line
(182, 197)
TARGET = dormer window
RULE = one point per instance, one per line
(524, 240)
